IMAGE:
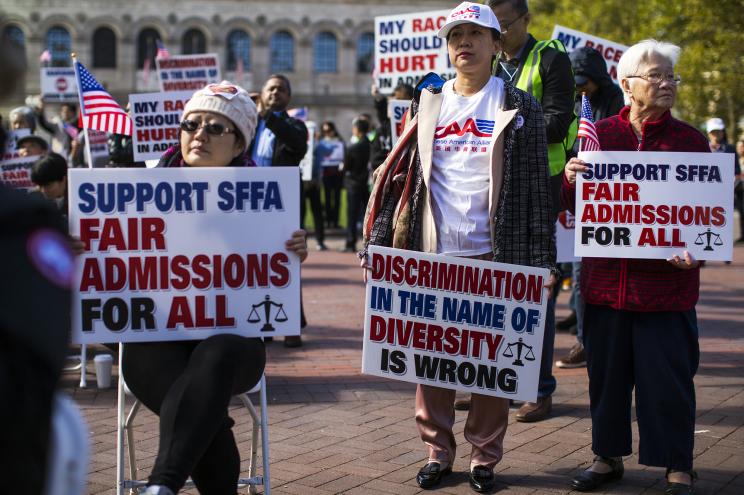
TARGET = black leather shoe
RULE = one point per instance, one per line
(482, 479)
(673, 488)
(430, 475)
(589, 480)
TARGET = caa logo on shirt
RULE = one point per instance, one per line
(477, 127)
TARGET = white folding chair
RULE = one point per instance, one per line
(82, 364)
(125, 426)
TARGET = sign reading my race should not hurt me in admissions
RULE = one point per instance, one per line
(188, 72)
(407, 48)
(655, 205)
(156, 117)
(456, 323)
(611, 51)
(184, 253)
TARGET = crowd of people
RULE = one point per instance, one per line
(497, 203)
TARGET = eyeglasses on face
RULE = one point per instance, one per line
(216, 129)
(506, 25)
(656, 78)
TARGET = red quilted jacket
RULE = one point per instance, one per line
(635, 284)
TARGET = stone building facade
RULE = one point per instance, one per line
(323, 46)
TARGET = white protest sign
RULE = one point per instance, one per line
(99, 152)
(564, 237)
(16, 172)
(407, 48)
(58, 84)
(396, 112)
(184, 253)
(610, 50)
(156, 117)
(188, 72)
(655, 205)
(457, 323)
(306, 165)
(332, 153)
(11, 143)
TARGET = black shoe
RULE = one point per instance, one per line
(482, 479)
(564, 325)
(462, 404)
(293, 341)
(589, 480)
(673, 488)
(430, 475)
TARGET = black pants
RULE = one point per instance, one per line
(658, 354)
(311, 191)
(189, 385)
(332, 196)
(356, 201)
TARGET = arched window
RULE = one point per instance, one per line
(281, 52)
(325, 48)
(193, 42)
(59, 44)
(238, 48)
(147, 47)
(104, 48)
(366, 53)
(16, 39)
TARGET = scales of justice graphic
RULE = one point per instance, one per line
(520, 346)
(709, 236)
(267, 304)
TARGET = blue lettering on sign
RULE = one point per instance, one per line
(253, 196)
(570, 41)
(389, 27)
(164, 196)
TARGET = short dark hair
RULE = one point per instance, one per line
(361, 125)
(283, 78)
(50, 168)
(405, 88)
(520, 6)
(71, 106)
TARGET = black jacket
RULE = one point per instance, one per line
(355, 168)
(558, 88)
(608, 100)
(382, 143)
(291, 139)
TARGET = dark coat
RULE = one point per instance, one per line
(608, 100)
(291, 139)
(356, 164)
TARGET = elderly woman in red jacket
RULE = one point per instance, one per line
(640, 323)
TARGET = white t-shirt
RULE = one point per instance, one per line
(461, 169)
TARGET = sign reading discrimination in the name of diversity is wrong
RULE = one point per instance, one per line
(407, 48)
(610, 50)
(184, 253)
(564, 237)
(188, 72)
(396, 113)
(99, 152)
(655, 205)
(456, 323)
(58, 84)
(16, 172)
(156, 117)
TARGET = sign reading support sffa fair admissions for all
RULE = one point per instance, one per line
(457, 323)
(655, 205)
(184, 253)
(156, 117)
(407, 48)
(188, 72)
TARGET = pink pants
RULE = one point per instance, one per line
(485, 428)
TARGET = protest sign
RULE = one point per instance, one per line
(155, 119)
(333, 154)
(564, 237)
(58, 84)
(16, 172)
(188, 72)
(407, 48)
(655, 205)
(99, 152)
(610, 50)
(10, 152)
(457, 323)
(396, 112)
(184, 253)
(306, 165)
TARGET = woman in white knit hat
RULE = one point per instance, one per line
(189, 383)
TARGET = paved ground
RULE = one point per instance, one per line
(336, 431)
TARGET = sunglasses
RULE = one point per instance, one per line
(192, 126)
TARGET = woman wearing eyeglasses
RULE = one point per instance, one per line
(640, 327)
(189, 383)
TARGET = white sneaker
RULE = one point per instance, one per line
(158, 490)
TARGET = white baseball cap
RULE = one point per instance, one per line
(715, 124)
(470, 12)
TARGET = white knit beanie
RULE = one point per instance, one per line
(230, 101)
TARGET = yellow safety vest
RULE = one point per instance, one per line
(531, 82)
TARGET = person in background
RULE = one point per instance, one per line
(22, 118)
(121, 152)
(382, 142)
(32, 145)
(311, 192)
(49, 173)
(739, 187)
(67, 138)
(355, 170)
(331, 172)
(718, 140)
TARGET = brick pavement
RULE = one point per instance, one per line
(333, 430)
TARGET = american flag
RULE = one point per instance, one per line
(162, 50)
(587, 132)
(98, 110)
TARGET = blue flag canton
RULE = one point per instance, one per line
(586, 109)
(87, 81)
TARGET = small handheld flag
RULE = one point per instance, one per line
(587, 132)
(98, 110)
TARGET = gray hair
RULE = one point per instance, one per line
(26, 114)
(640, 53)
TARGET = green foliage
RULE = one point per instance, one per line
(709, 33)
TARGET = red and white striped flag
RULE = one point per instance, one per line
(162, 50)
(98, 110)
(587, 132)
